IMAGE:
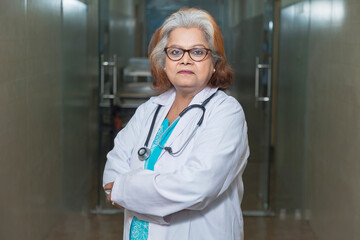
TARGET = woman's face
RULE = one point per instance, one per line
(187, 75)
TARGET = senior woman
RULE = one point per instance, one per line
(188, 183)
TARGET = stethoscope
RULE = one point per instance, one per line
(144, 152)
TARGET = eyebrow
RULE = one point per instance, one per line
(193, 46)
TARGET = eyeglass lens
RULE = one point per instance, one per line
(196, 54)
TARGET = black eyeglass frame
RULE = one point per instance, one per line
(187, 51)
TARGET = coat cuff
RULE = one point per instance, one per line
(118, 195)
(118, 192)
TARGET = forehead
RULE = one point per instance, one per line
(187, 37)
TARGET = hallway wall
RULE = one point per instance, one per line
(32, 107)
(333, 116)
(324, 95)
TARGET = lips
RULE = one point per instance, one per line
(186, 72)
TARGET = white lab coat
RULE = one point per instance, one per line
(196, 195)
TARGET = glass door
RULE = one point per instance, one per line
(250, 56)
(121, 42)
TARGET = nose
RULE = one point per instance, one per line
(186, 59)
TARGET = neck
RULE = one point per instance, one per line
(181, 101)
(183, 96)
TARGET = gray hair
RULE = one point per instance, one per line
(187, 19)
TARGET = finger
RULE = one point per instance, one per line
(117, 205)
(109, 197)
(109, 186)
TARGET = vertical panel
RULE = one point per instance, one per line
(122, 23)
(31, 113)
(250, 39)
(291, 108)
(332, 131)
(44, 156)
(30, 98)
(334, 119)
(12, 136)
(79, 76)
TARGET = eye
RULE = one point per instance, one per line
(174, 51)
(198, 51)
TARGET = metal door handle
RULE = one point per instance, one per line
(104, 64)
(259, 66)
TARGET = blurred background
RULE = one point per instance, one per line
(72, 72)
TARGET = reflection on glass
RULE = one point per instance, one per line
(73, 4)
(271, 24)
(327, 11)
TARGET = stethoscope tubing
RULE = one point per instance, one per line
(144, 152)
(152, 126)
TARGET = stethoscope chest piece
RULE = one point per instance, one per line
(144, 153)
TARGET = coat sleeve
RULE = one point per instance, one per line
(219, 154)
(118, 159)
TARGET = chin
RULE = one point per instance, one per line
(188, 88)
(186, 83)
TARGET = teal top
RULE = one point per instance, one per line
(139, 229)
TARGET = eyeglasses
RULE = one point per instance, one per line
(196, 54)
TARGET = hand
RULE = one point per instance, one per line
(108, 187)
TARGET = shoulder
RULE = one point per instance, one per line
(222, 102)
(224, 116)
(224, 110)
